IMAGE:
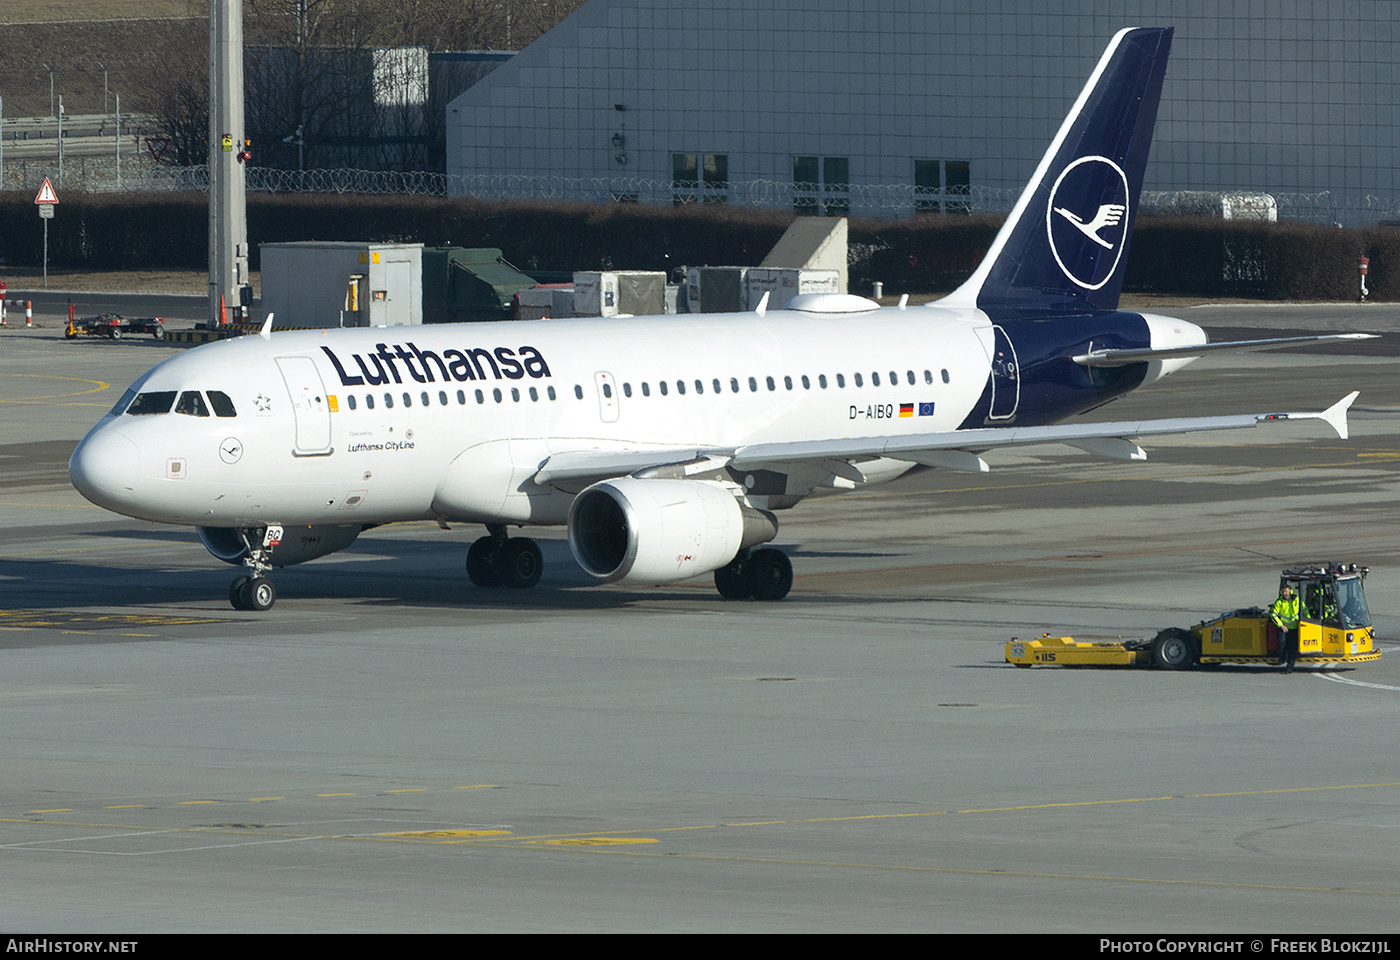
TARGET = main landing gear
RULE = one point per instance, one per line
(755, 574)
(500, 561)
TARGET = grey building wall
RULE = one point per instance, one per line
(1292, 97)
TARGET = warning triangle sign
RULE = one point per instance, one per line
(46, 194)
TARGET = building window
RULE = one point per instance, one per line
(699, 178)
(942, 186)
(821, 186)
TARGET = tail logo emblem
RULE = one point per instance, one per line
(1086, 220)
(1109, 215)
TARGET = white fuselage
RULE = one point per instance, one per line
(452, 435)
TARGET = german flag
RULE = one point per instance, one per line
(906, 409)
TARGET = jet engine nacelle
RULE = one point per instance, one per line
(299, 544)
(634, 530)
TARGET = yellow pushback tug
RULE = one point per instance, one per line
(1334, 626)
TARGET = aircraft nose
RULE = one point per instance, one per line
(104, 469)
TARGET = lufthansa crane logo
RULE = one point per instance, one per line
(1086, 220)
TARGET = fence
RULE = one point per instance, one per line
(886, 201)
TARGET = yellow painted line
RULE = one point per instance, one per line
(54, 810)
(406, 790)
(264, 799)
(57, 396)
(597, 841)
(478, 786)
(126, 806)
(335, 794)
(191, 803)
(443, 834)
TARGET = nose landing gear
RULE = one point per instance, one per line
(256, 593)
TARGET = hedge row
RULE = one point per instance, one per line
(1170, 255)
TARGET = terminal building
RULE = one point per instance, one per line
(892, 107)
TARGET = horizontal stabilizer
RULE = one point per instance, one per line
(1122, 358)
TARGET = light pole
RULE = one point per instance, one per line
(50, 70)
(103, 68)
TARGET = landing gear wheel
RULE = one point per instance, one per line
(520, 563)
(235, 592)
(481, 567)
(729, 581)
(158, 332)
(1174, 649)
(768, 574)
(258, 595)
(115, 333)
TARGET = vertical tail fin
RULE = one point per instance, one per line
(1064, 247)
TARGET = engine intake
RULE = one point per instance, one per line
(298, 545)
(633, 530)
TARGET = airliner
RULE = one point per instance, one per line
(668, 445)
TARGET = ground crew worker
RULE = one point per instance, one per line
(1284, 614)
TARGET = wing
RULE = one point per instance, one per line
(957, 449)
(1121, 358)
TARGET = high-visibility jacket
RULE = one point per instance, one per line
(1284, 612)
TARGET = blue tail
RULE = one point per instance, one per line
(1064, 248)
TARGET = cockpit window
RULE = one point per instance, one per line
(122, 403)
(223, 406)
(191, 404)
(157, 401)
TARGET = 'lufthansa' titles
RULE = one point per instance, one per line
(427, 366)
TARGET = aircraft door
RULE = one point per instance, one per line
(1006, 378)
(607, 396)
(309, 406)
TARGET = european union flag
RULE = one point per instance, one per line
(926, 409)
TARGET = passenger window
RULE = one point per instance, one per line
(158, 401)
(550, 391)
(787, 382)
(223, 406)
(699, 386)
(859, 381)
(191, 404)
(806, 384)
(442, 397)
(424, 397)
(911, 378)
(945, 376)
(821, 380)
(407, 400)
(480, 397)
(369, 401)
(646, 389)
(771, 384)
(388, 401)
(496, 394)
(894, 378)
(461, 396)
(534, 395)
(875, 379)
(753, 385)
(578, 391)
(662, 386)
(349, 399)
(716, 384)
(734, 384)
(607, 390)
(515, 394)
(841, 380)
(680, 387)
(627, 389)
